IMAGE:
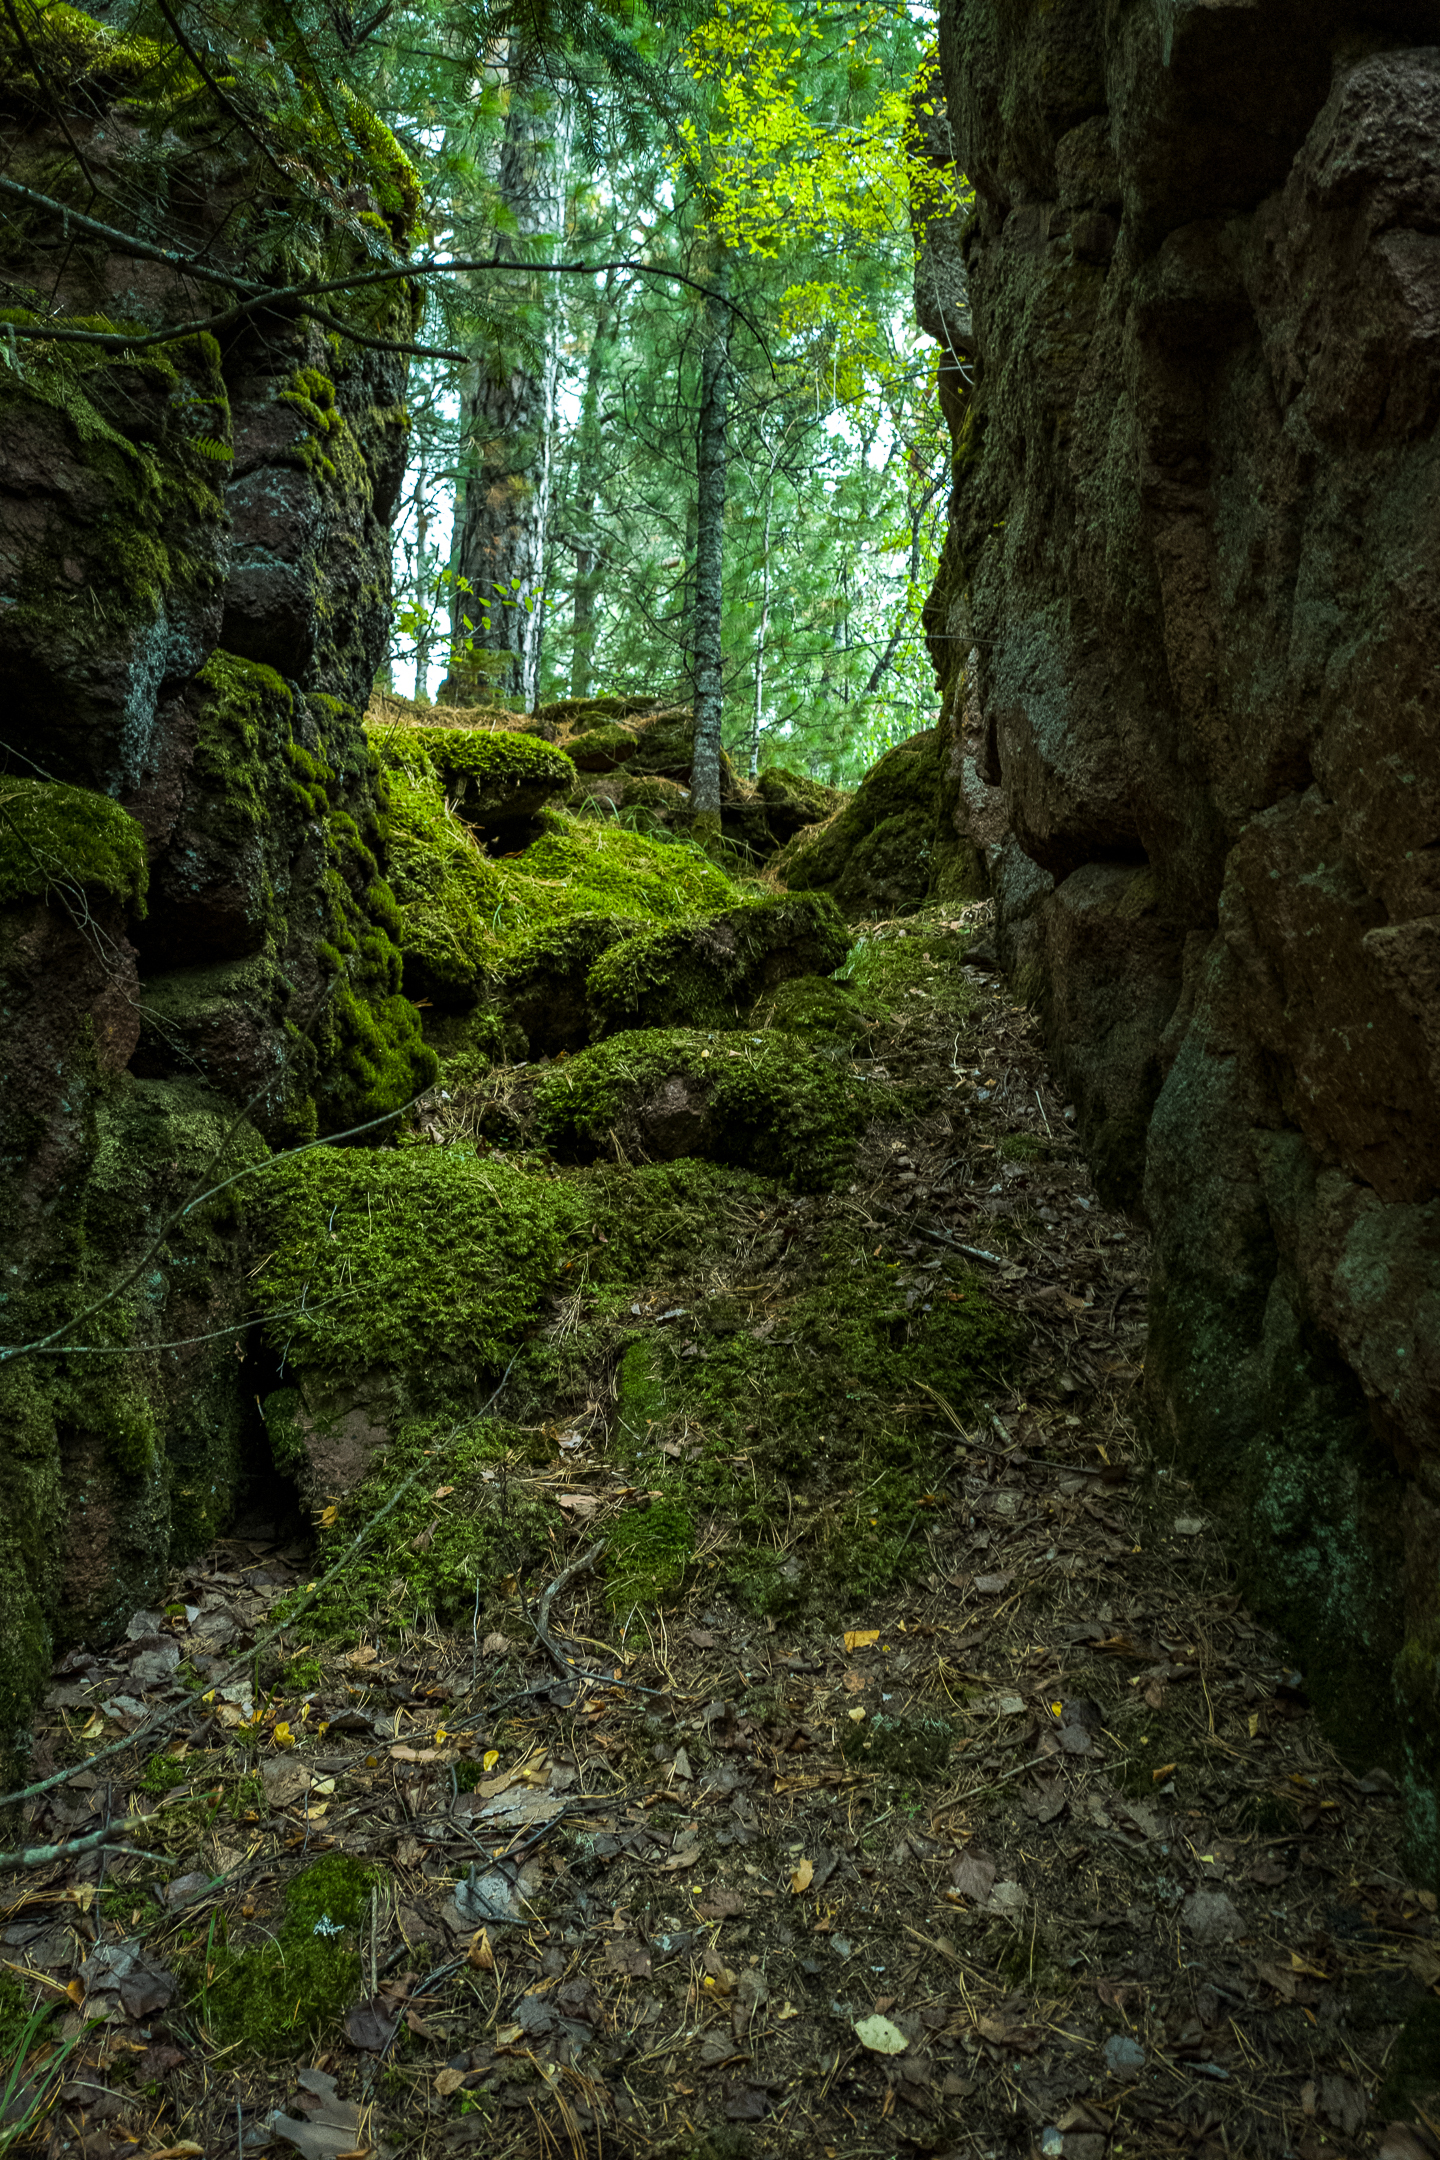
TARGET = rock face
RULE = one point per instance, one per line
(1187, 626)
(193, 913)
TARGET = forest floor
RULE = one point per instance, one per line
(1040, 1852)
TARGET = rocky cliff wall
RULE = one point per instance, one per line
(1188, 628)
(198, 956)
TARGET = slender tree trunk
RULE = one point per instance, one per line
(508, 410)
(711, 446)
(758, 721)
(589, 562)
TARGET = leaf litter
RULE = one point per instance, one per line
(722, 1894)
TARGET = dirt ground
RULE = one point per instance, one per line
(1040, 1853)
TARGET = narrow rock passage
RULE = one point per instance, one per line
(1002, 1830)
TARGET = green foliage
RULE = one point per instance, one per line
(924, 956)
(278, 1997)
(162, 1774)
(52, 835)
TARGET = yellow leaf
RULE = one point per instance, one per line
(856, 1714)
(1254, 1723)
(489, 1759)
(802, 1878)
(479, 1954)
(94, 1728)
(282, 1735)
(860, 1638)
(328, 1516)
(1163, 1771)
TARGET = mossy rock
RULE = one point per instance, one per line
(53, 836)
(818, 1006)
(762, 1102)
(882, 853)
(705, 973)
(407, 1258)
(601, 749)
(543, 986)
(494, 776)
(793, 800)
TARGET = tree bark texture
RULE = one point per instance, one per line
(509, 414)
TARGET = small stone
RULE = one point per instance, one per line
(1210, 1916)
(1124, 2057)
(1188, 1526)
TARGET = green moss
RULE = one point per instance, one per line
(639, 1395)
(762, 1102)
(1024, 1147)
(601, 749)
(408, 1258)
(280, 1996)
(647, 1553)
(52, 835)
(494, 770)
(391, 174)
(486, 1532)
(891, 964)
(579, 866)
(702, 974)
(883, 853)
(906, 1747)
(818, 1006)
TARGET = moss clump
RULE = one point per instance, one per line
(762, 1102)
(906, 1747)
(277, 1998)
(793, 800)
(601, 749)
(639, 1395)
(1024, 1147)
(52, 835)
(648, 1551)
(408, 1258)
(703, 973)
(390, 173)
(494, 774)
(926, 959)
(817, 1006)
(889, 850)
(484, 1533)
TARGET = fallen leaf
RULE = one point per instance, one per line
(442, 1492)
(333, 2126)
(721, 1904)
(370, 2025)
(410, 1754)
(855, 1682)
(992, 1585)
(448, 2081)
(860, 1639)
(880, 2036)
(185, 2151)
(480, 1955)
(802, 1878)
(974, 1876)
(328, 1516)
(490, 1758)
(628, 1958)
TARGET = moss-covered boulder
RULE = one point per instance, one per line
(890, 849)
(793, 800)
(706, 973)
(495, 778)
(837, 1013)
(53, 836)
(601, 749)
(761, 1102)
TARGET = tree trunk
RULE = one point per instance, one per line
(757, 722)
(508, 413)
(710, 555)
(589, 561)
